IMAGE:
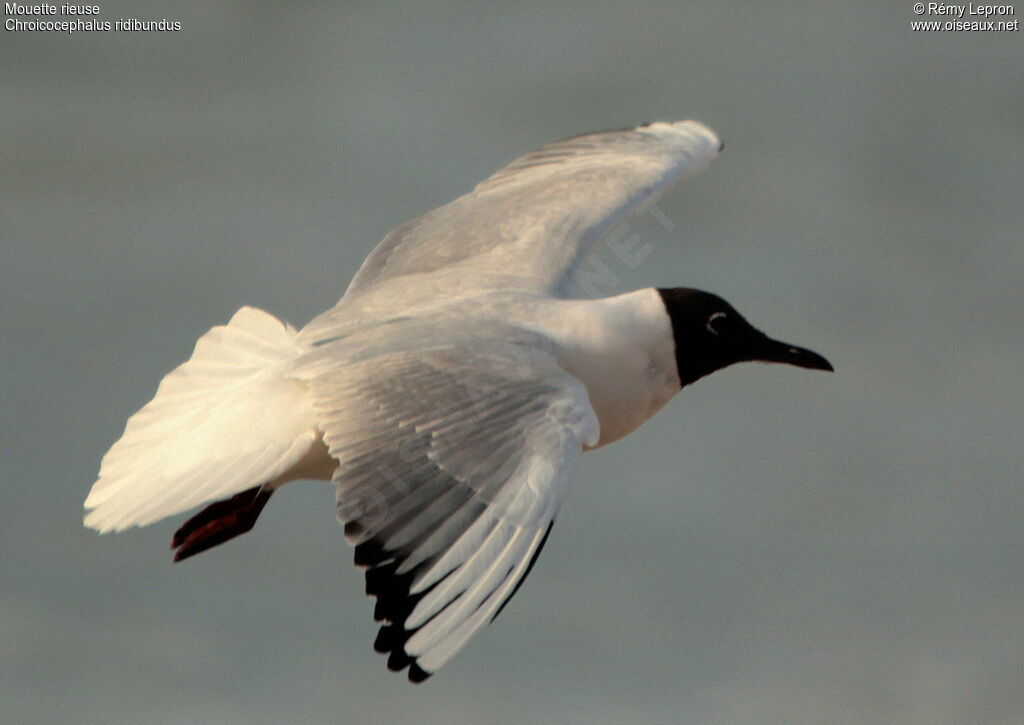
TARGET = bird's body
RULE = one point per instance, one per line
(448, 394)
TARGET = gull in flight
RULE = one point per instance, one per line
(448, 395)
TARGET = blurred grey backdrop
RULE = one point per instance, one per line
(776, 547)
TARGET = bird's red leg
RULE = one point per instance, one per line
(219, 522)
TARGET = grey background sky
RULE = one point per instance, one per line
(776, 547)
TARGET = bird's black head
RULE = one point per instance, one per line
(710, 335)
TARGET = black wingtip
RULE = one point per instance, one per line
(721, 145)
(398, 660)
(390, 642)
(385, 640)
(417, 674)
(368, 553)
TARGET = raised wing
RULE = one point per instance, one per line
(451, 474)
(528, 226)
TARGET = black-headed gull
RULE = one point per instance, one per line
(449, 394)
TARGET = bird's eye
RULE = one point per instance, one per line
(715, 322)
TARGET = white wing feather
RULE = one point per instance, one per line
(528, 226)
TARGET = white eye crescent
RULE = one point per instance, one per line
(711, 321)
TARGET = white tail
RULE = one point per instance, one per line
(228, 419)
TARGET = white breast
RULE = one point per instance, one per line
(623, 350)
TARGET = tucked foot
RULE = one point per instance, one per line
(219, 522)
